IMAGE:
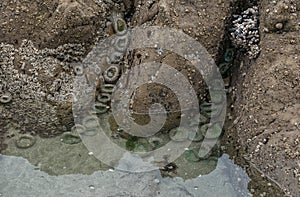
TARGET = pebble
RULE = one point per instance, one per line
(92, 187)
(157, 181)
(279, 26)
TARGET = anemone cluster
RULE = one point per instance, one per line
(245, 33)
(111, 64)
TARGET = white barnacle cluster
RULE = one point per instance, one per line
(245, 31)
(30, 78)
(12, 80)
(31, 73)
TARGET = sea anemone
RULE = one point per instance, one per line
(25, 141)
(78, 69)
(111, 74)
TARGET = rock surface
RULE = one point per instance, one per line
(37, 59)
(267, 98)
(40, 42)
(202, 21)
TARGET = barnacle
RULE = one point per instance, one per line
(155, 142)
(115, 57)
(5, 98)
(121, 43)
(121, 25)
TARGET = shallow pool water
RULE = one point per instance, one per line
(52, 167)
(20, 178)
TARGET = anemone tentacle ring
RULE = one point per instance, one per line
(25, 141)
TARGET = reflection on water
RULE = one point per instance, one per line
(20, 178)
(64, 166)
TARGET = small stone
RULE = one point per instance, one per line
(266, 30)
(156, 181)
(92, 187)
(279, 26)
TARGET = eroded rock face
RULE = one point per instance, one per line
(52, 23)
(40, 79)
(267, 104)
(205, 22)
(280, 16)
(152, 93)
(38, 83)
(37, 60)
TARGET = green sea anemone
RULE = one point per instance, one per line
(69, 138)
(25, 141)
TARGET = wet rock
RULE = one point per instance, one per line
(39, 44)
(267, 109)
(203, 21)
(280, 12)
(193, 18)
(52, 23)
